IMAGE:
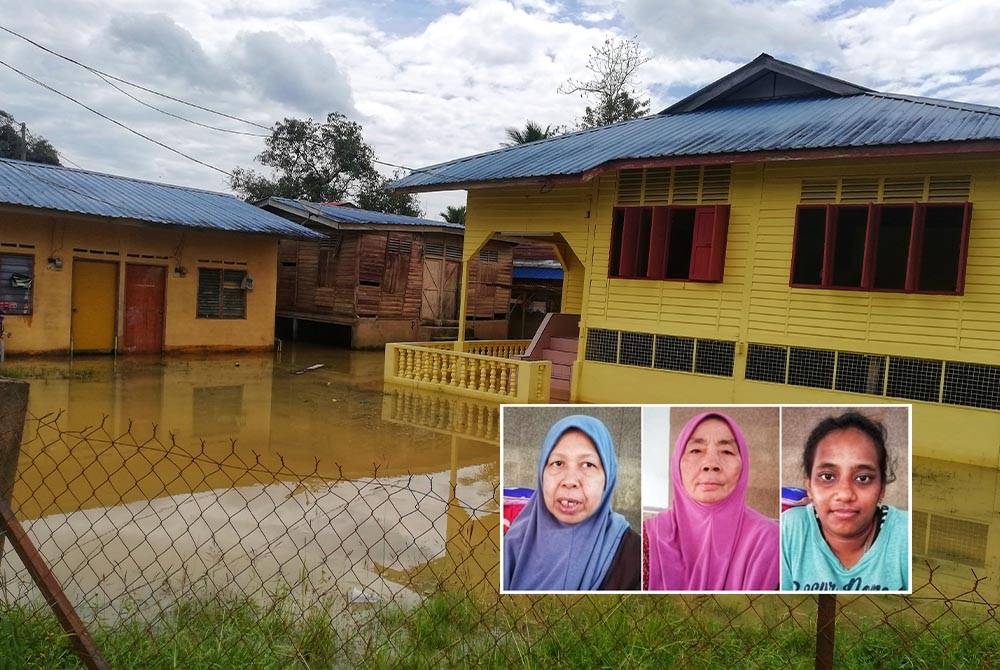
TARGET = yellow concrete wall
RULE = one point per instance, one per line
(48, 328)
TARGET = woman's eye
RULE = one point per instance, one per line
(825, 477)
(556, 463)
(694, 450)
(864, 479)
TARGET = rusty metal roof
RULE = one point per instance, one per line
(349, 216)
(61, 189)
(715, 121)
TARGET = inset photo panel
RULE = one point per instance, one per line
(710, 498)
(571, 498)
(846, 497)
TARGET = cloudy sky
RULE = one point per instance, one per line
(434, 80)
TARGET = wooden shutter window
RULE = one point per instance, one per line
(708, 250)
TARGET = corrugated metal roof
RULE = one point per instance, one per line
(63, 189)
(788, 124)
(353, 215)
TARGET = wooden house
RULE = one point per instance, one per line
(93, 262)
(780, 236)
(387, 277)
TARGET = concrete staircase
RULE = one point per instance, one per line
(562, 352)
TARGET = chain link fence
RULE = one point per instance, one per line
(181, 556)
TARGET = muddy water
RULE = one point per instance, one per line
(118, 439)
(384, 492)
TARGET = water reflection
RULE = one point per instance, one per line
(956, 527)
(405, 479)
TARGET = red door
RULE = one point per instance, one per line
(144, 292)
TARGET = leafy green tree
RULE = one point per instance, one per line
(321, 162)
(36, 149)
(453, 214)
(613, 87)
(532, 132)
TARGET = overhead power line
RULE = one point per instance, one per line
(110, 78)
(114, 121)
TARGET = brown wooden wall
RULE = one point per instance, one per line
(375, 274)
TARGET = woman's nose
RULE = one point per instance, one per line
(844, 491)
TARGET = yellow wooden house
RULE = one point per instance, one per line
(96, 263)
(780, 236)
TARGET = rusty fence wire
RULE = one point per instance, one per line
(168, 551)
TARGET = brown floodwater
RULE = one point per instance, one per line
(409, 477)
(109, 433)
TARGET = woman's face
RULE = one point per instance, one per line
(845, 484)
(573, 478)
(711, 463)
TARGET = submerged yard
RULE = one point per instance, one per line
(291, 511)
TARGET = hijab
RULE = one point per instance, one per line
(541, 553)
(722, 546)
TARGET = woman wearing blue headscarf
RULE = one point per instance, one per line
(568, 538)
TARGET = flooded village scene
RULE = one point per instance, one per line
(260, 417)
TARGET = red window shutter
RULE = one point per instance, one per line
(656, 267)
(829, 241)
(630, 240)
(871, 244)
(708, 250)
(916, 247)
(964, 251)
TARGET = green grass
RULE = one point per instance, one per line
(519, 631)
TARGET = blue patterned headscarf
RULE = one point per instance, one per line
(542, 554)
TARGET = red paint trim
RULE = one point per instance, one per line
(868, 264)
(935, 149)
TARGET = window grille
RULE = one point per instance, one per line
(715, 183)
(221, 294)
(630, 187)
(954, 188)
(957, 540)
(398, 246)
(637, 349)
(674, 353)
(714, 357)
(860, 373)
(656, 188)
(859, 189)
(903, 189)
(766, 363)
(685, 186)
(489, 255)
(688, 185)
(972, 384)
(818, 190)
(810, 367)
(17, 278)
(602, 345)
(433, 250)
(914, 379)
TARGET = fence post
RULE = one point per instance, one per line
(826, 628)
(13, 409)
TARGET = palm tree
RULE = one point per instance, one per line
(454, 214)
(532, 132)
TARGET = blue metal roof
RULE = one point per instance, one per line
(353, 215)
(522, 272)
(62, 189)
(779, 124)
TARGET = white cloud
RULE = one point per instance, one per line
(722, 29)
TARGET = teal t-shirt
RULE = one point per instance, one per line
(808, 563)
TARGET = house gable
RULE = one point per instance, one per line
(765, 78)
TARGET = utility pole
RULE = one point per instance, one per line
(24, 143)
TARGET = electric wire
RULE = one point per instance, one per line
(114, 121)
(108, 78)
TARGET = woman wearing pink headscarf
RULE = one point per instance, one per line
(709, 539)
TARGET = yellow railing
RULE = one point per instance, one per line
(489, 377)
(496, 348)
